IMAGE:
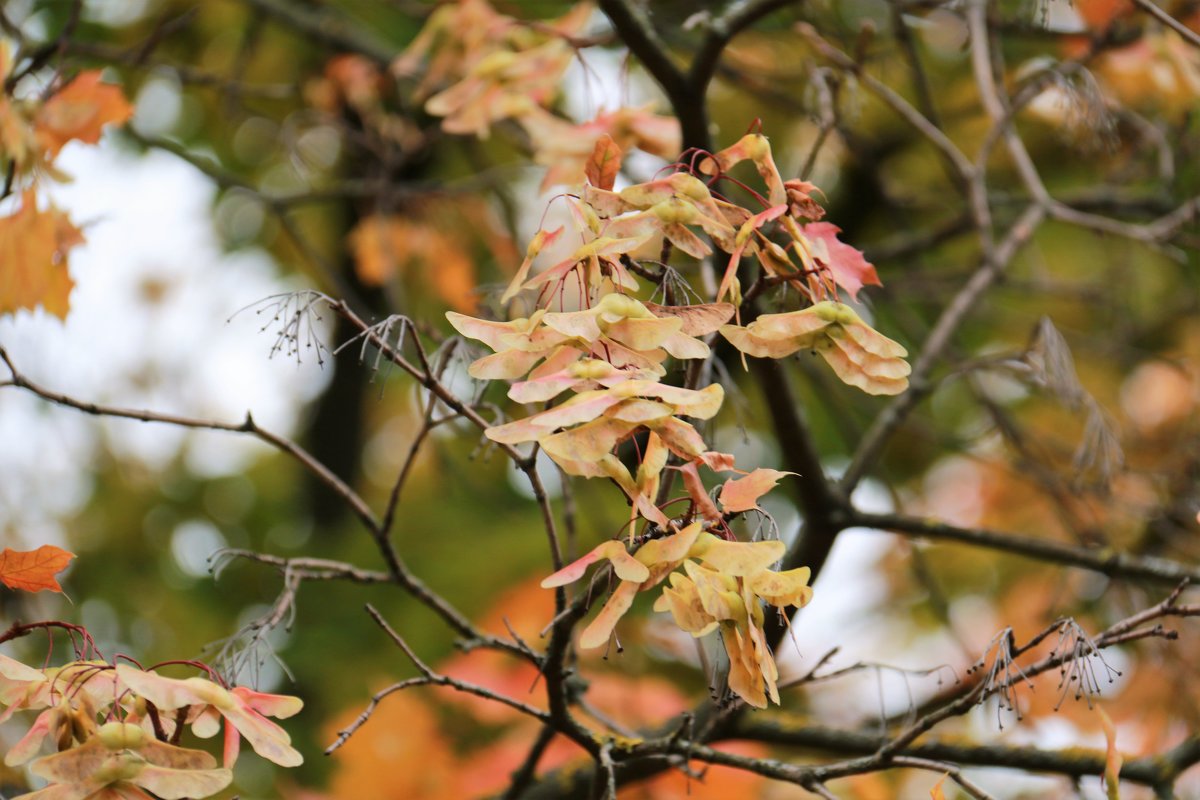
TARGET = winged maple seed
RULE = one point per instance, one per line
(618, 330)
(724, 588)
(813, 259)
(120, 761)
(245, 712)
(567, 149)
(106, 724)
(860, 355)
(68, 694)
(488, 66)
(610, 356)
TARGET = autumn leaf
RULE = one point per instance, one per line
(742, 494)
(846, 264)
(33, 570)
(79, 112)
(937, 793)
(34, 246)
(605, 163)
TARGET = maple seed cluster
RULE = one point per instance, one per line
(611, 353)
(115, 730)
(588, 335)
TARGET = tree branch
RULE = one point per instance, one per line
(1105, 561)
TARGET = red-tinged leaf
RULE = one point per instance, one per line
(850, 270)
(605, 163)
(1112, 758)
(742, 494)
(936, 793)
(80, 111)
(33, 570)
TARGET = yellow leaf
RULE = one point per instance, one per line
(33, 258)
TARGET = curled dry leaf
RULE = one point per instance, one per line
(602, 168)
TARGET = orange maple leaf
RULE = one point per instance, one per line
(33, 258)
(79, 111)
(33, 570)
